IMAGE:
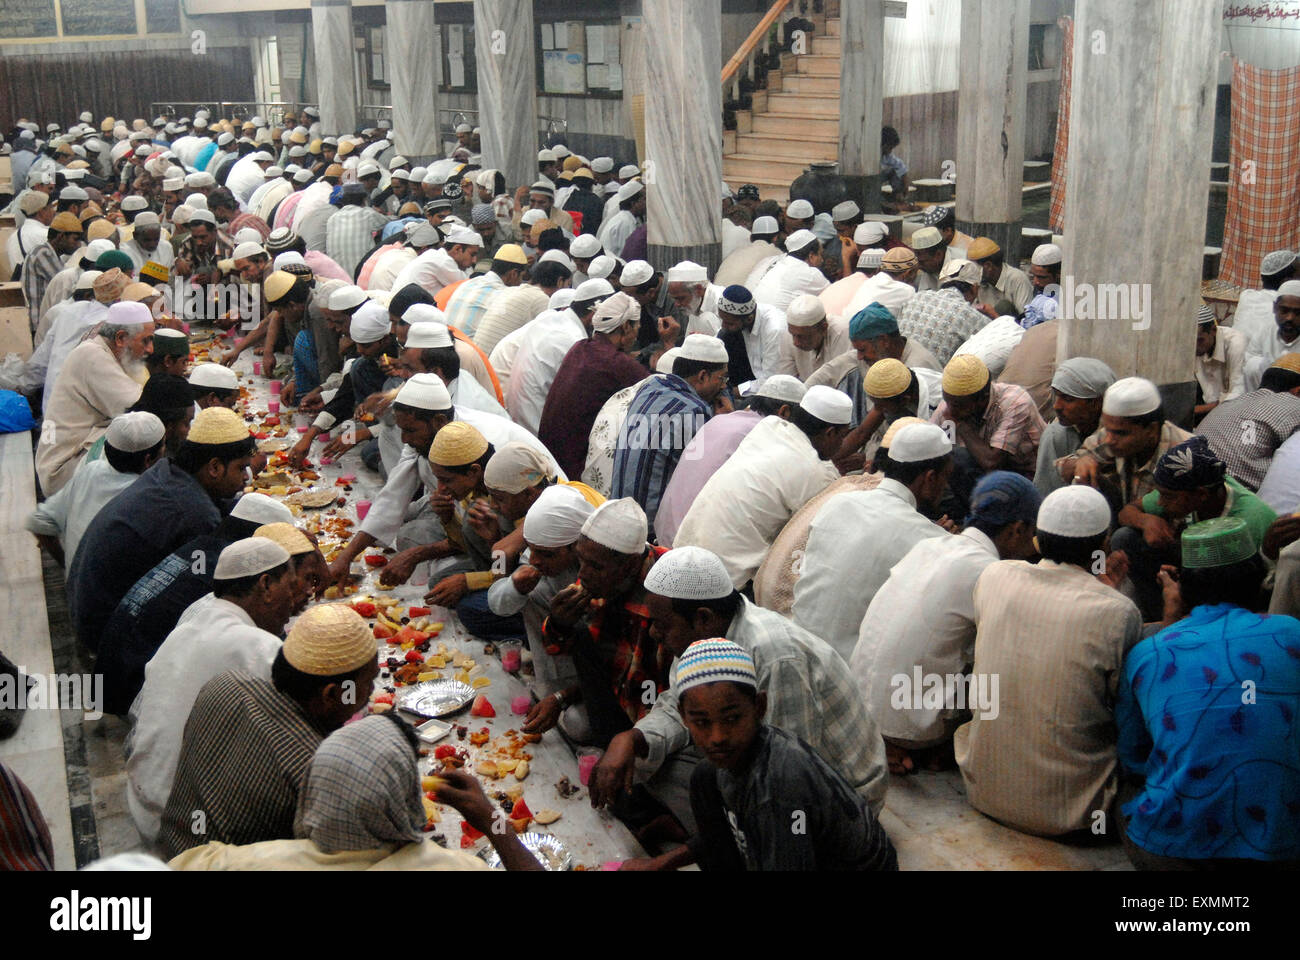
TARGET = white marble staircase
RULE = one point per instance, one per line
(794, 122)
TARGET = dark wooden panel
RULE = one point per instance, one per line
(57, 87)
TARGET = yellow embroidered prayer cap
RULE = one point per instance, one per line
(100, 229)
(1288, 361)
(288, 536)
(512, 253)
(457, 444)
(965, 375)
(981, 248)
(217, 425)
(887, 378)
(278, 285)
(329, 640)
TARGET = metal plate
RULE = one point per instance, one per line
(548, 850)
(436, 698)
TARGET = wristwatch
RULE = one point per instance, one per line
(559, 699)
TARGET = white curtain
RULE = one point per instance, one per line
(921, 51)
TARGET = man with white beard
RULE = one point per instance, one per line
(100, 379)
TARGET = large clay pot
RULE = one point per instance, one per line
(821, 185)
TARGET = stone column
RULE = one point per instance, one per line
(683, 112)
(1141, 129)
(862, 89)
(336, 89)
(412, 40)
(991, 120)
(507, 87)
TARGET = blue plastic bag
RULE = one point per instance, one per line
(15, 413)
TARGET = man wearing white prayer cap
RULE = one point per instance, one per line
(1270, 341)
(214, 385)
(613, 559)
(1120, 457)
(777, 282)
(629, 206)
(430, 348)
(1078, 386)
(100, 379)
(808, 686)
(443, 266)
(1017, 768)
(664, 416)
(132, 444)
(1253, 316)
(694, 297)
(743, 262)
(812, 337)
(237, 626)
(583, 249)
(857, 537)
(778, 467)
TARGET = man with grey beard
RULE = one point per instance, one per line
(100, 379)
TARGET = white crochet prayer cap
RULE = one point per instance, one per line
(918, 442)
(828, 405)
(248, 558)
(1074, 511)
(133, 432)
(702, 347)
(214, 375)
(805, 310)
(424, 391)
(689, 573)
(370, 324)
(428, 336)
(260, 509)
(556, 518)
(783, 387)
(1130, 397)
(619, 525)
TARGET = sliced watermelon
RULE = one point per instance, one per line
(418, 612)
(376, 559)
(482, 707)
(468, 835)
(365, 608)
(520, 811)
(382, 632)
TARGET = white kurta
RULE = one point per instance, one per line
(923, 616)
(211, 637)
(884, 289)
(785, 279)
(615, 231)
(163, 255)
(737, 267)
(432, 270)
(68, 513)
(1266, 347)
(542, 349)
(1254, 313)
(804, 363)
(748, 501)
(853, 543)
(245, 177)
(467, 392)
(764, 341)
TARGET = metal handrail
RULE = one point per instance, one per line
(270, 110)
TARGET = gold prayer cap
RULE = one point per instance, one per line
(217, 425)
(456, 445)
(110, 285)
(100, 229)
(334, 170)
(298, 138)
(90, 211)
(410, 209)
(565, 175)
(965, 375)
(278, 285)
(107, 124)
(1288, 361)
(887, 378)
(78, 165)
(136, 292)
(66, 222)
(584, 174)
(276, 133)
(539, 228)
(287, 536)
(898, 260)
(981, 248)
(512, 253)
(572, 164)
(894, 427)
(329, 640)
(346, 147)
(155, 271)
(315, 147)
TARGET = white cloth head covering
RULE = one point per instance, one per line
(465, 236)
(705, 348)
(870, 233)
(615, 312)
(1131, 397)
(132, 314)
(628, 170)
(424, 391)
(423, 313)
(805, 310)
(798, 240)
(246, 250)
(1290, 288)
(871, 259)
(828, 405)
(1074, 511)
(133, 432)
(629, 190)
(688, 272)
(260, 509)
(602, 267)
(690, 573)
(584, 245)
(765, 226)
(558, 256)
(247, 558)
(961, 270)
(845, 211)
(1046, 255)
(592, 290)
(214, 375)
(87, 280)
(1083, 377)
(1276, 262)
(800, 210)
(619, 525)
(636, 273)
(602, 165)
(289, 256)
(783, 387)
(667, 359)
(919, 441)
(370, 323)
(428, 335)
(347, 297)
(561, 299)
(516, 467)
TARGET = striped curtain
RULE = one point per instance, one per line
(1057, 211)
(1263, 178)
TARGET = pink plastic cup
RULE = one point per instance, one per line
(257, 368)
(275, 388)
(273, 406)
(587, 763)
(511, 657)
(519, 706)
(363, 508)
(186, 328)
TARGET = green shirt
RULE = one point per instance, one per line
(1259, 516)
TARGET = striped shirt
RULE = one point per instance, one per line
(1010, 423)
(470, 301)
(243, 761)
(665, 414)
(1246, 432)
(25, 842)
(350, 234)
(810, 693)
(507, 313)
(42, 263)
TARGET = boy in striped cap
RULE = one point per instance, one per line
(762, 798)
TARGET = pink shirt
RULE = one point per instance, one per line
(715, 442)
(1011, 423)
(323, 266)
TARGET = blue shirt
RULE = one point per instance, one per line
(1221, 755)
(665, 414)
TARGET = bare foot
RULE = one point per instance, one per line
(900, 760)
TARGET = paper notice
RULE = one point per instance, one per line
(456, 65)
(548, 37)
(615, 77)
(598, 75)
(596, 44)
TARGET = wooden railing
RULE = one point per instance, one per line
(743, 61)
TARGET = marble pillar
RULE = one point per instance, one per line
(411, 38)
(1141, 129)
(507, 88)
(862, 87)
(990, 158)
(336, 89)
(683, 114)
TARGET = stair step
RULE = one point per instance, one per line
(791, 125)
(768, 189)
(818, 86)
(761, 165)
(829, 46)
(832, 26)
(814, 65)
(803, 105)
(804, 149)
